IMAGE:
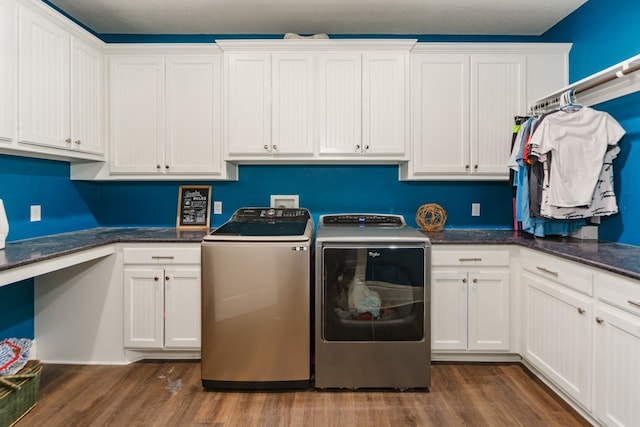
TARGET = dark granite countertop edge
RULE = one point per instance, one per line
(37, 249)
(612, 257)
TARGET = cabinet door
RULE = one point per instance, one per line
(7, 67)
(384, 99)
(43, 81)
(193, 114)
(137, 114)
(248, 125)
(489, 313)
(182, 308)
(340, 99)
(143, 308)
(440, 114)
(558, 338)
(617, 382)
(293, 103)
(448, 310)
(87, 100)
(497, 93)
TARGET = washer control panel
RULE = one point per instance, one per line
(271, 214)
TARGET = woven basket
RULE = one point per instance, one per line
(19, 392)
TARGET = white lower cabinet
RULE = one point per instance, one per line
(470, 309)
(162, 298)
(617, 351)
(558, 335)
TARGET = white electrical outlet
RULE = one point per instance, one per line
(36, 213)
(217, 207)
(285, 201)
(475, 209)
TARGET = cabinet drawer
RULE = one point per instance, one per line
(173, 255)
(619, 291)
(567, 273)
(471, 258)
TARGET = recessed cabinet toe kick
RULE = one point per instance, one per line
(256, 301)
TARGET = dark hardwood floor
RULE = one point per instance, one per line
(168, 393)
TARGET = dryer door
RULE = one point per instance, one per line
(373, 293)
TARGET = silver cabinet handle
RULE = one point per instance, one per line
(78, 142)
(68, 140)
(475, 280)
(357, 147)
(464, 280)
(265, 146)
(599, 320)
(469, 259)
(366, 147)
(581, 310)
(634, 303)
(544, 270)
(275, 147)
(161, 257)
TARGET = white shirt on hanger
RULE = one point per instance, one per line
(577, 141)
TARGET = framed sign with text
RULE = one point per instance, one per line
(194, 206)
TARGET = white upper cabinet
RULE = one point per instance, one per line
(248, 80)
(292, 106)
(440, 108)
(340, 105)
(497, 95)
(61, 88)
(193, 114)
(87, 97)
(385, 118)
(362, 103)
(464, 99)
(7, 69)
(165, 115)
(43, 81)
(319, 100)
(136, 114)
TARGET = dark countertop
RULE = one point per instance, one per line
(614, 257)
(29, 251)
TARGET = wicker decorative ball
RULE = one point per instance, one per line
(431, 217)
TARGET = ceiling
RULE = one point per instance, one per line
(460, 17)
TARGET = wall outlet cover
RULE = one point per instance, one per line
(285, 201)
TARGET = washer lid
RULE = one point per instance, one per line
(265, 224)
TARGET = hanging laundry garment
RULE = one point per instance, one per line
(603, 201)
(577, 141)
(538, 226)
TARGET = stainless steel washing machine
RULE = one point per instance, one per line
(372, 303)
(256, 292)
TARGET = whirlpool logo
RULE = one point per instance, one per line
(373, 254)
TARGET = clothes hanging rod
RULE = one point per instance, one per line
(613, 82)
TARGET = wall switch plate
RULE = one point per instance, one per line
(285, 201)
(217, 207)
(36, 213)
(475, 209)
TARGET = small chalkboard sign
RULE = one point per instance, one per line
(194, 206)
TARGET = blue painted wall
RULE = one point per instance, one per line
(322, 189)
(604, 33)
